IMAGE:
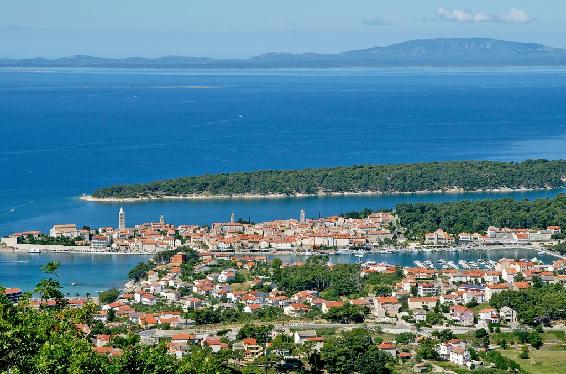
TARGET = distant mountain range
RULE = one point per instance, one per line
(422, 52)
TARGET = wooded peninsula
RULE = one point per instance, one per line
(396, 178)
(477, 216)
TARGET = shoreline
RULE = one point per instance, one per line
(71, 251)
(452, 191)
(301, 252)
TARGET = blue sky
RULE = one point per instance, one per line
(243, 28)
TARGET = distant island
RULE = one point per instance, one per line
(422, 52)
(451, 176)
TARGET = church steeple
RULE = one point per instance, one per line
(121, 219)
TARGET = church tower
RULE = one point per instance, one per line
(161, 219)
(121, 219)
(232, 218)
(302, 218)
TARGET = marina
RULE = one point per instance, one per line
(93, 272)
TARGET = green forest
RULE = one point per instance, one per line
(536, 304)
(432, 176)
(477, 216)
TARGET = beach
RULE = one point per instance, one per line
(91, 198)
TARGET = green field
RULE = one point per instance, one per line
(541, 362)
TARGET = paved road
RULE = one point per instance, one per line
(387, 328)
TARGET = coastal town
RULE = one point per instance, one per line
(379, 232)
(215, 289)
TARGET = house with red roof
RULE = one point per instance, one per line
(422, 302)
(102, 340)
(108, 351)
(296, 309)
(462, 315)
(327, 305)
(13, 294)
(492, 289)
(214, 343)
(386, 306)
(388, 347)
(489, 315)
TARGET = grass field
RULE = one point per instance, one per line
(541, 362)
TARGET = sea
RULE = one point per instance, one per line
(66, 132)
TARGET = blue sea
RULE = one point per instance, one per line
(66, 132)
(78, 273)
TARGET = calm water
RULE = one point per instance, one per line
(408, 258)
(94, 273)
(67, 132)
(91, 273)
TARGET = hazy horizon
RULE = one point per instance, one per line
(264, 52)
(228, 29)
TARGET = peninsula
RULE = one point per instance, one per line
(451, 176)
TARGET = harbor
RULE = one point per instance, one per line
(93, 272)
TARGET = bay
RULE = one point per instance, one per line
(93, 273)
(66, 132)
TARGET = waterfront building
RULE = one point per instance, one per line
(438, 238)
(68, 231)
(121, 219)
(100, 242)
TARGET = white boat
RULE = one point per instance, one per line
(36, 250)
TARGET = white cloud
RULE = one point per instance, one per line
(461, 15)
(376, 21)
(468, 16)
(517, 16)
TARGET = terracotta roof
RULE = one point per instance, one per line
(386, 345)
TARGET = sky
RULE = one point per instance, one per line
(244, 28)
